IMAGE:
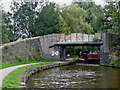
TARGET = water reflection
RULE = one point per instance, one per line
(76, 76)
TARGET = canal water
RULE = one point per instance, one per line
(76, 76)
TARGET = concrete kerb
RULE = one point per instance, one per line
(29, 72)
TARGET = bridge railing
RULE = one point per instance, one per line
(79, 37)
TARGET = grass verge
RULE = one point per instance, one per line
(12, 80)
(73, 56)
(2, 66)
(114, 63)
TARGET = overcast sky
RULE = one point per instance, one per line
(6, 3)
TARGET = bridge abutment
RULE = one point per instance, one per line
(104, 49)
(50, 53)
(62, 52)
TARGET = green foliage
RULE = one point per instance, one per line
(23, 14)
(112, 16)
(75, 19)
(115, 42)
(30, 58)
(19, 58)
(94, 16)
(73, 56)
(29, 21)
(106, 65)
(7, 46)
(62, 25)
(74, 59)
(5, 33)
(49, 21)
(37, 49)
(76, 50)
(35, 57)
(96, 40)
(118, 53)
(114, 63)
(16, 63)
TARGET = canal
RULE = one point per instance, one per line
(76, 76)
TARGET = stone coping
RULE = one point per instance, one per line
(29, 72)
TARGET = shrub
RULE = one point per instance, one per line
(96, 40)
(114, 63)
(19, 58)
(35, 57)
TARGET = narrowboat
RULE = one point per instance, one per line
(90, 58)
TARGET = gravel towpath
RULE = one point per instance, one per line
(6, 71)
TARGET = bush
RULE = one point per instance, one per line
(35, 57)
(114, 63)
(19, 58)
(96, 40)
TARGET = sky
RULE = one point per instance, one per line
(6, 3)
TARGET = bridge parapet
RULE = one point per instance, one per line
(79, 37)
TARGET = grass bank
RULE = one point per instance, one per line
(115, 63)
(2, 66)
(73, 56)
(12, 80)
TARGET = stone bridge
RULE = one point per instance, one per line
(78, 39)
(52, 47)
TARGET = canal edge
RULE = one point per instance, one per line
(24, 76)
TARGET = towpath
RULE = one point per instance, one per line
(4, 72)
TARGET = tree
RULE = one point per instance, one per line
(7, 35)
(95, 15)
(62, 25)
(111, 11)
(49, 21)
(75, 19)
(35, 19)
(23, 18)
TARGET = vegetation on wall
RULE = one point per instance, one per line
(115, 44)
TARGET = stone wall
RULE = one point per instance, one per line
(50, 53)
(114, 47)
(108, 52)
(21, 50)
(30, 49)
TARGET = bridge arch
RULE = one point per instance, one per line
(79, 39)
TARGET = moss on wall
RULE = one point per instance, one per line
(114, 49)
(24, 50)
